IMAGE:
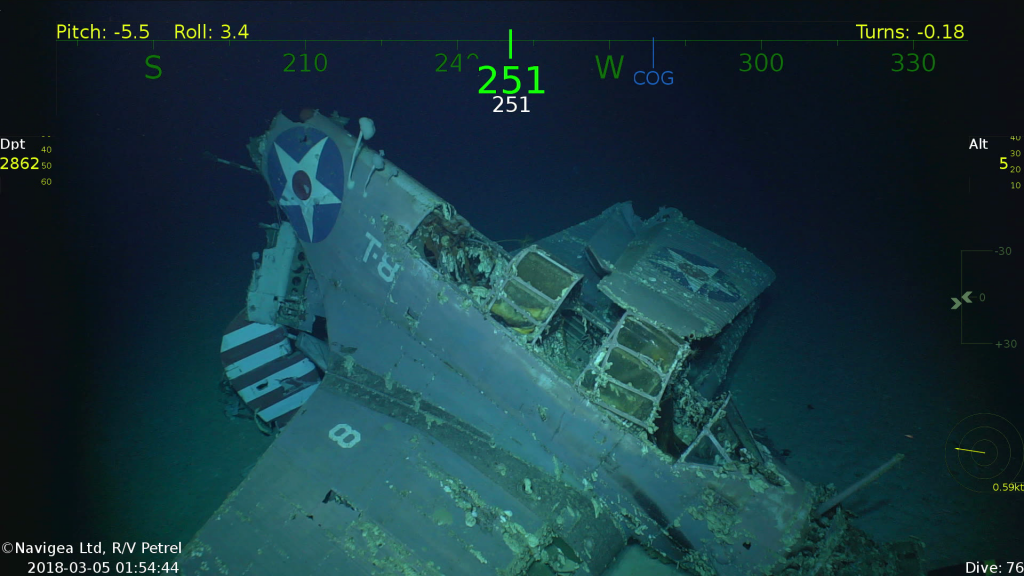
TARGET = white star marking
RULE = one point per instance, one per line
(320, 194)
(695, 283)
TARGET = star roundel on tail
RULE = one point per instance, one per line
(307, 174)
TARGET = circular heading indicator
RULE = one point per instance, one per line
(984, 453)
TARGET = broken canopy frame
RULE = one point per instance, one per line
(533, 292)
(631, 370)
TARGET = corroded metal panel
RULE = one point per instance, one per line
(346, 490)
(685, 278)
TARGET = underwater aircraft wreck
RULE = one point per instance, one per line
(443, 406)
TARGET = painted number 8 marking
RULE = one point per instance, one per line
(344, 435)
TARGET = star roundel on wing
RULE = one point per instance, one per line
(307, 175)
(697, 274)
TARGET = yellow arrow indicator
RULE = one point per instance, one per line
(966, 450)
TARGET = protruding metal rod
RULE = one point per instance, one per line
(211, 156)
(833, 501)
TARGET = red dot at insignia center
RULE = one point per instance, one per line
(301, 185)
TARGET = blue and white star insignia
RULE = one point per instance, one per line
(696, 273)
(307, 174)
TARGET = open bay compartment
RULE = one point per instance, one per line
(724, 438)
(631, 370)
(533, 290)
